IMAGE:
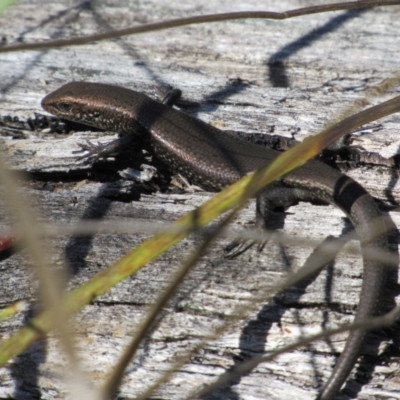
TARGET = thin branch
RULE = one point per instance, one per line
(199, 19)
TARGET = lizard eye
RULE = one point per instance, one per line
(64, 107)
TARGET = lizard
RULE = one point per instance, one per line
(214, 159)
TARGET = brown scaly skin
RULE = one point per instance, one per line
(214, 159)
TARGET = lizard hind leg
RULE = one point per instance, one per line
(267, 201)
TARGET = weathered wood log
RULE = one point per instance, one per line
(286, 77)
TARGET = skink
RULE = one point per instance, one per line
(214, 159)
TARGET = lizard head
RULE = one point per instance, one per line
(92, 104)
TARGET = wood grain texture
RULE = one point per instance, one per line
(289, 77)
